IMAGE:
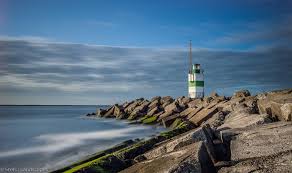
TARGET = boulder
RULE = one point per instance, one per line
(243, 116)
(262, 141)
(286, 111)
(207, 100)
(126, 104)
(195, 103)
(154, 104)
(272, 164)
(183, 101)
(100, 112)
(153, 111)
(166, 101)
(118, 111)
(282, 111)
(216, 120)
(200, 134)
(191, 158)
(214, 95)
(173, 107)
(140, 110)
(262, 148)
(110, 112)
(164, 115)
(132, 106)
(194, 112)
(241, 93)
(186, 112)
(203, 115)
(168, 120)
(207, 112)
(277, 104)
(155, 98)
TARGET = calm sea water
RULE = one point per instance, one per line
(51, 137)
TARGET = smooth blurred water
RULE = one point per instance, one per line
(53, 136)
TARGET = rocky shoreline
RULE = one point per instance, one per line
(242, 133)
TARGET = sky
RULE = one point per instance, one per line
(106, 51)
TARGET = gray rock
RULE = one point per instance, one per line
(153, 111)
(154, 104)
(195, 103)
(110, 112)
(241, 93)
(272, 164)
(100, 112)
(155, 98)
(173, 107)
(140, 110)
(193, 158)
(133, 105)
(262, 148)
(277, 104)
(200, 134)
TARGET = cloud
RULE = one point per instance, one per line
(259, 33)
(87, 72)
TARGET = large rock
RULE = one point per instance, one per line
(200, 134)
(153, 111)
(271, 164)
(216, 120)
(241, 93)
(100, 112)
(140, 110)
(166, 101)
(206, 113)
(277, 104)
(109, 112)
(132, 106)
(194, 112)
(260, 148)
(195, 103)
(154, 104)
(243, 116)
(173, 107)
(169, 110)
(191, 158)
(281, 110)
(183, 101)
(155, 98)
(117, 110)
(186, 112)
(286, 111)
(203, 115)
(126, 104)
(167, 121)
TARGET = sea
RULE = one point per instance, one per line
(45, 138)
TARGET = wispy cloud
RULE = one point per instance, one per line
(255, 34)
(93, 71)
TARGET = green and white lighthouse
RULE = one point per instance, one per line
(195, 79)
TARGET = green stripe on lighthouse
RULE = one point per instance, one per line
(196, 83)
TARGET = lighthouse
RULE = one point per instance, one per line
(195, 78)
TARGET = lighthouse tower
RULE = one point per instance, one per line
(195, 79)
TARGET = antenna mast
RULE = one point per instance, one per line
(191, 56)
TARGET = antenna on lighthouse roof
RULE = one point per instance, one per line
(191, 63)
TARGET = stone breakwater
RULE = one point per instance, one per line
(242, 133)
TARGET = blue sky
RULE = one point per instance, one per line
(100, 52)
